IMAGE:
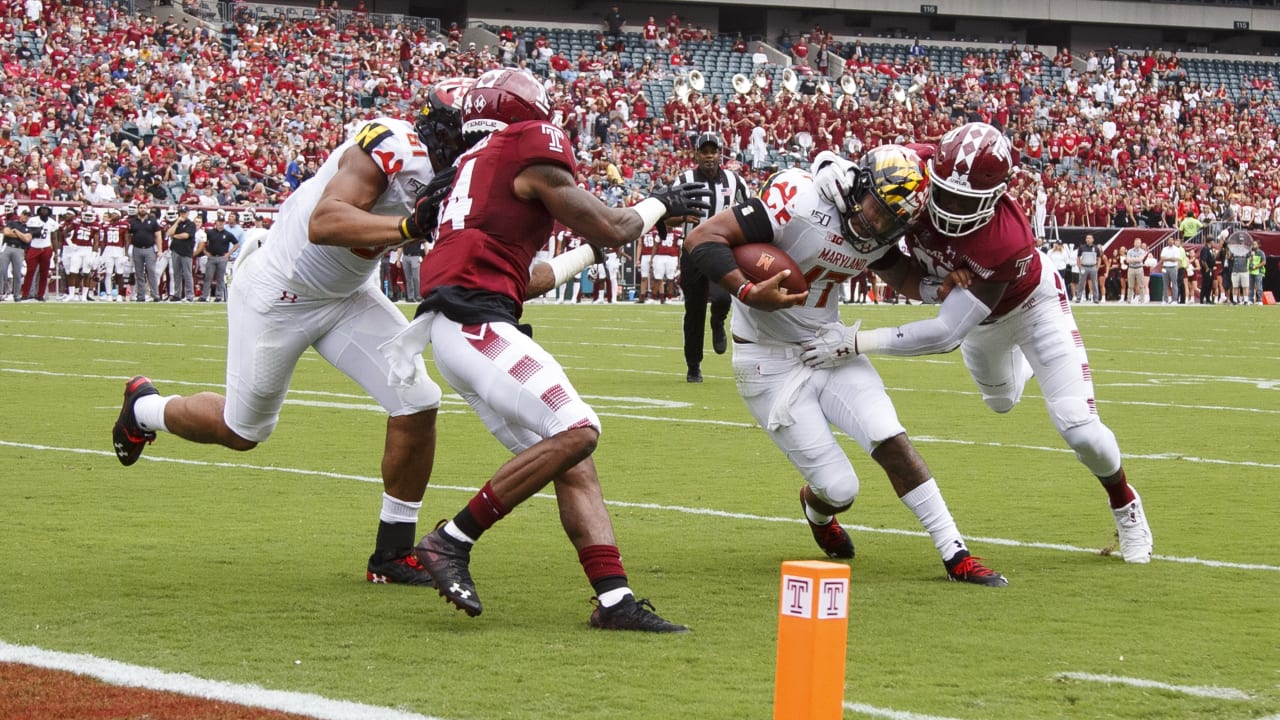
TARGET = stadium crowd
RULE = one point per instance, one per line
(105, 109)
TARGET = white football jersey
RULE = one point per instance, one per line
(327, 271)
(807, 227)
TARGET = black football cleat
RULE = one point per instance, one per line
(694, 375)
(447, 561)
(127, 436)
(832, 538)
(719, 342)
(403, 569)
(632, 614)
(968, 569)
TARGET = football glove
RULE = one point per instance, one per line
(834, 344)
(422, 219)
(834, 179)
(683, 199)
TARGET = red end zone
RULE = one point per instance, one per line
(32, 693)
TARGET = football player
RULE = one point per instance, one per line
(1012, 321)
(512, 184)
(81, 239)
(115, 260)
(797, 405)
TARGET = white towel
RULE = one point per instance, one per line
(402, 352)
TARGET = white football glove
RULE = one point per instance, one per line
(834, 344)
(833, 177)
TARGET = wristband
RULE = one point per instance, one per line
(743, 290)
(866, 341)
(650, 211)
(567, 265)
(404, 227)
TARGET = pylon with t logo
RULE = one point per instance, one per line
(813, 627)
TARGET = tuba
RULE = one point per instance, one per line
(848, 90)
(741, 84)
(824, 87)
(681, 88)
(900, 96)
(697, 81)
(790, 82)
(762, 80)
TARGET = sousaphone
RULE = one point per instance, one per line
(697, 81)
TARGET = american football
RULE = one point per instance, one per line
(761, 261)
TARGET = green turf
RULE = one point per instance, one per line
(235, 566)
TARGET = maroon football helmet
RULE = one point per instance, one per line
(968, 174)
(502, 97)
(439, 123)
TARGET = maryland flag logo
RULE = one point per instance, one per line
(371, 135)
(898, 179)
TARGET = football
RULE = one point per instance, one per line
(761, 261)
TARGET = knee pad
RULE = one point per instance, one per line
(1003, 398)
(424, 394)
(829, 474)
(1095, 446)
(999, 403)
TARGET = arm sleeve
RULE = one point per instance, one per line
(957, 315)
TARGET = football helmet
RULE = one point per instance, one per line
(968, 173)
(502, 97)
(439, 122)
(888, 192)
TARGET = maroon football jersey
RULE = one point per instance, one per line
(487, 235)
(80, 233)
(114, 234)
(1003, 250)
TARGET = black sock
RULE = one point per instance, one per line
(393, 538)
(466, 522)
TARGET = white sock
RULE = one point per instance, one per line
(814, 516)
(927, 504)
(149, 412)
(452, 531)
(613, 597)
(395, 510)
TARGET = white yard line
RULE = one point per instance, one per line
(124, 674)
(707, 512)
(864, 709)
(1217, 693)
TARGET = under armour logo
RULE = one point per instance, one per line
(842, 352)
(380, 579)
(456, 589)
(286, 296)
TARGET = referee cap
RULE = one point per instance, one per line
(708, 138)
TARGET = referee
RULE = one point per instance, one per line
(727, 189)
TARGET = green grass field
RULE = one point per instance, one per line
(249, 568)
